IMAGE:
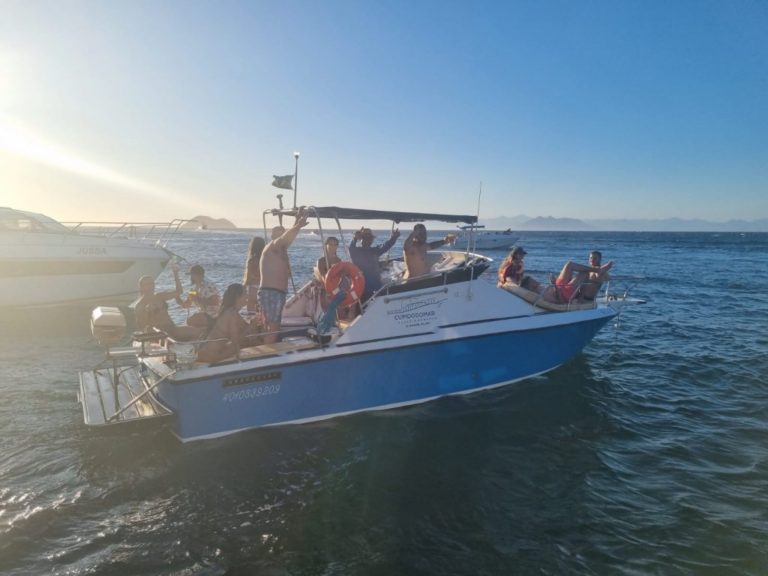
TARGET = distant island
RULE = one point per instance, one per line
(522, 222)
(208, 223)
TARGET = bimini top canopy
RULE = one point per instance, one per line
(363, 214)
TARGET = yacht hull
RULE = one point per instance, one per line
(39, 270)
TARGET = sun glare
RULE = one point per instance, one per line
(20, 142)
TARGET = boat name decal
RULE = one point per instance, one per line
(91, 251)
(417, 313)
(251, 378)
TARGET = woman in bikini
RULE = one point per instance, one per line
(512, 269)
(230, 329)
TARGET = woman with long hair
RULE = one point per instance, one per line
(224, 339)
(252, 275)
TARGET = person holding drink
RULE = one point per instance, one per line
(204, 296)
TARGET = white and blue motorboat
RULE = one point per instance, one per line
(415, 340)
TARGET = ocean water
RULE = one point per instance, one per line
(646, 454)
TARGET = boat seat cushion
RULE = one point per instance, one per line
(536, 299)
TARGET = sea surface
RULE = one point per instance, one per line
(646, 454)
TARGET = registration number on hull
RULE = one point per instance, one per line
(250, 393)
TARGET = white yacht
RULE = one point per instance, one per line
(47, 263)
(474, 237)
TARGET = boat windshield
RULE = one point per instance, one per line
(19, 221)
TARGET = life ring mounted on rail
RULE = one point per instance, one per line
(347, 277)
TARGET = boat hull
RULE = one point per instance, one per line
(325, 387)
(49, 270)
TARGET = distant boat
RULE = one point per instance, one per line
(47, 263)
(311, 235)
(474, 237)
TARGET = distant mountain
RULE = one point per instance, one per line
(504, 222)
(538, 223)
(208, 223)
(550, 223)
(625, 225)
(680, 225)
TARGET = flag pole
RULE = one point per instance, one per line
(295, 178)
(280, 215)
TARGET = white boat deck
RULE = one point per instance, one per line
(106, 404)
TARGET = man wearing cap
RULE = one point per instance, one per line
(366, 257)
(275, 272)
(204, 295)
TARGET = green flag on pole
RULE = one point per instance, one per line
(284, 182)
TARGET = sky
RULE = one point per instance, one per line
(153, 110)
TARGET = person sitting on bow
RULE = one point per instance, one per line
(580, 281)
(512, 270)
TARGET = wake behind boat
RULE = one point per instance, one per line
(415, 339)
(46, 263)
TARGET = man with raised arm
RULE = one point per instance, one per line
(275, 272)
(415, 250)
(366, 257)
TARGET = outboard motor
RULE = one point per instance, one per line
(108, 325)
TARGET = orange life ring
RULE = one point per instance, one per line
(354, 285)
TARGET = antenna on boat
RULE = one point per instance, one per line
(479, 195)
(295, 178)
(473, 228)
(473, 240)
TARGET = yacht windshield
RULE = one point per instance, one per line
(16, 220)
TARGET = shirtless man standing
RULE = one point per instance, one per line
(275, 271)
(415, 250)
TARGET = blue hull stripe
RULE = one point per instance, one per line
(326, 387)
